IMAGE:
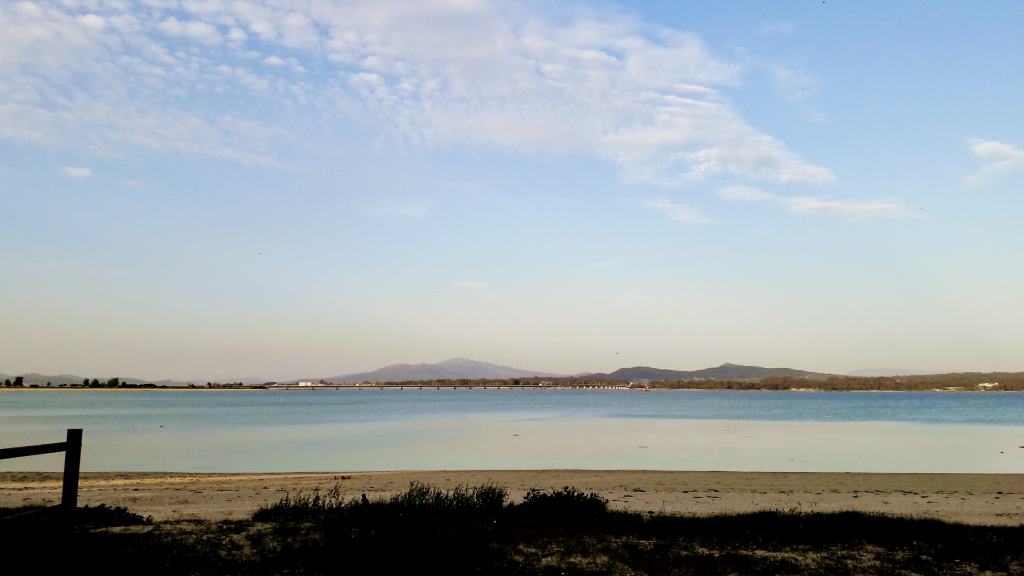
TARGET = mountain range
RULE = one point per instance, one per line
(464, 368)
(726, 371)
(453, 369)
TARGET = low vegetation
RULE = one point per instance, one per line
(478, 530)
(952, 382)
(955, 382)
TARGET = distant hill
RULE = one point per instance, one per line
(724, 372)
(466, 369)
(453, 369)
(35, 379)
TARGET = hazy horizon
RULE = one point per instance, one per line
(863, 372)
(284, 189)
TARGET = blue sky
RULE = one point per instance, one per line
(304, 188)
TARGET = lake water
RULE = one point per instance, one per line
(355, 430)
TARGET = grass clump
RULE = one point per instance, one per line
(480, 530)
(419, 501)
(53, 517)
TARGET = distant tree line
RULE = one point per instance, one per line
(954, 382)
(231, 385)
(112, 383)
(451, 383)
(958, 382)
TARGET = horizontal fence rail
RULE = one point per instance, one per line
(20, 451)
(72, 449)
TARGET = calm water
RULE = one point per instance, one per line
(501, 429)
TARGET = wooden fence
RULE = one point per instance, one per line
(72, 449)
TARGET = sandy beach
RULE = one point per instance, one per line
(971, 498)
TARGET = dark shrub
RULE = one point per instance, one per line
(565, 505)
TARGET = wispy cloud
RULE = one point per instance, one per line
(745, 194)
(678, 212)
(798, 86)
(77, 171)
(1000, 158)
(470, 284)
(887, 208)
(192, 29)
(110, 77)
(876, 209)
(795, 84)
(104, 78)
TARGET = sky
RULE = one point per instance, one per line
(279, 189)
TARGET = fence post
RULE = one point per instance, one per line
(72, 461)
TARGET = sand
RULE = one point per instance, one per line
(969, 498)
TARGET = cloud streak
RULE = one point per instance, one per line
(876, 209)
(112, 77)
(678, 212)
(745, 194)
(77, 172)
(1000, 158)
(886, 208)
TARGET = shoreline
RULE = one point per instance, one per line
(433, 388)
(996, 499)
